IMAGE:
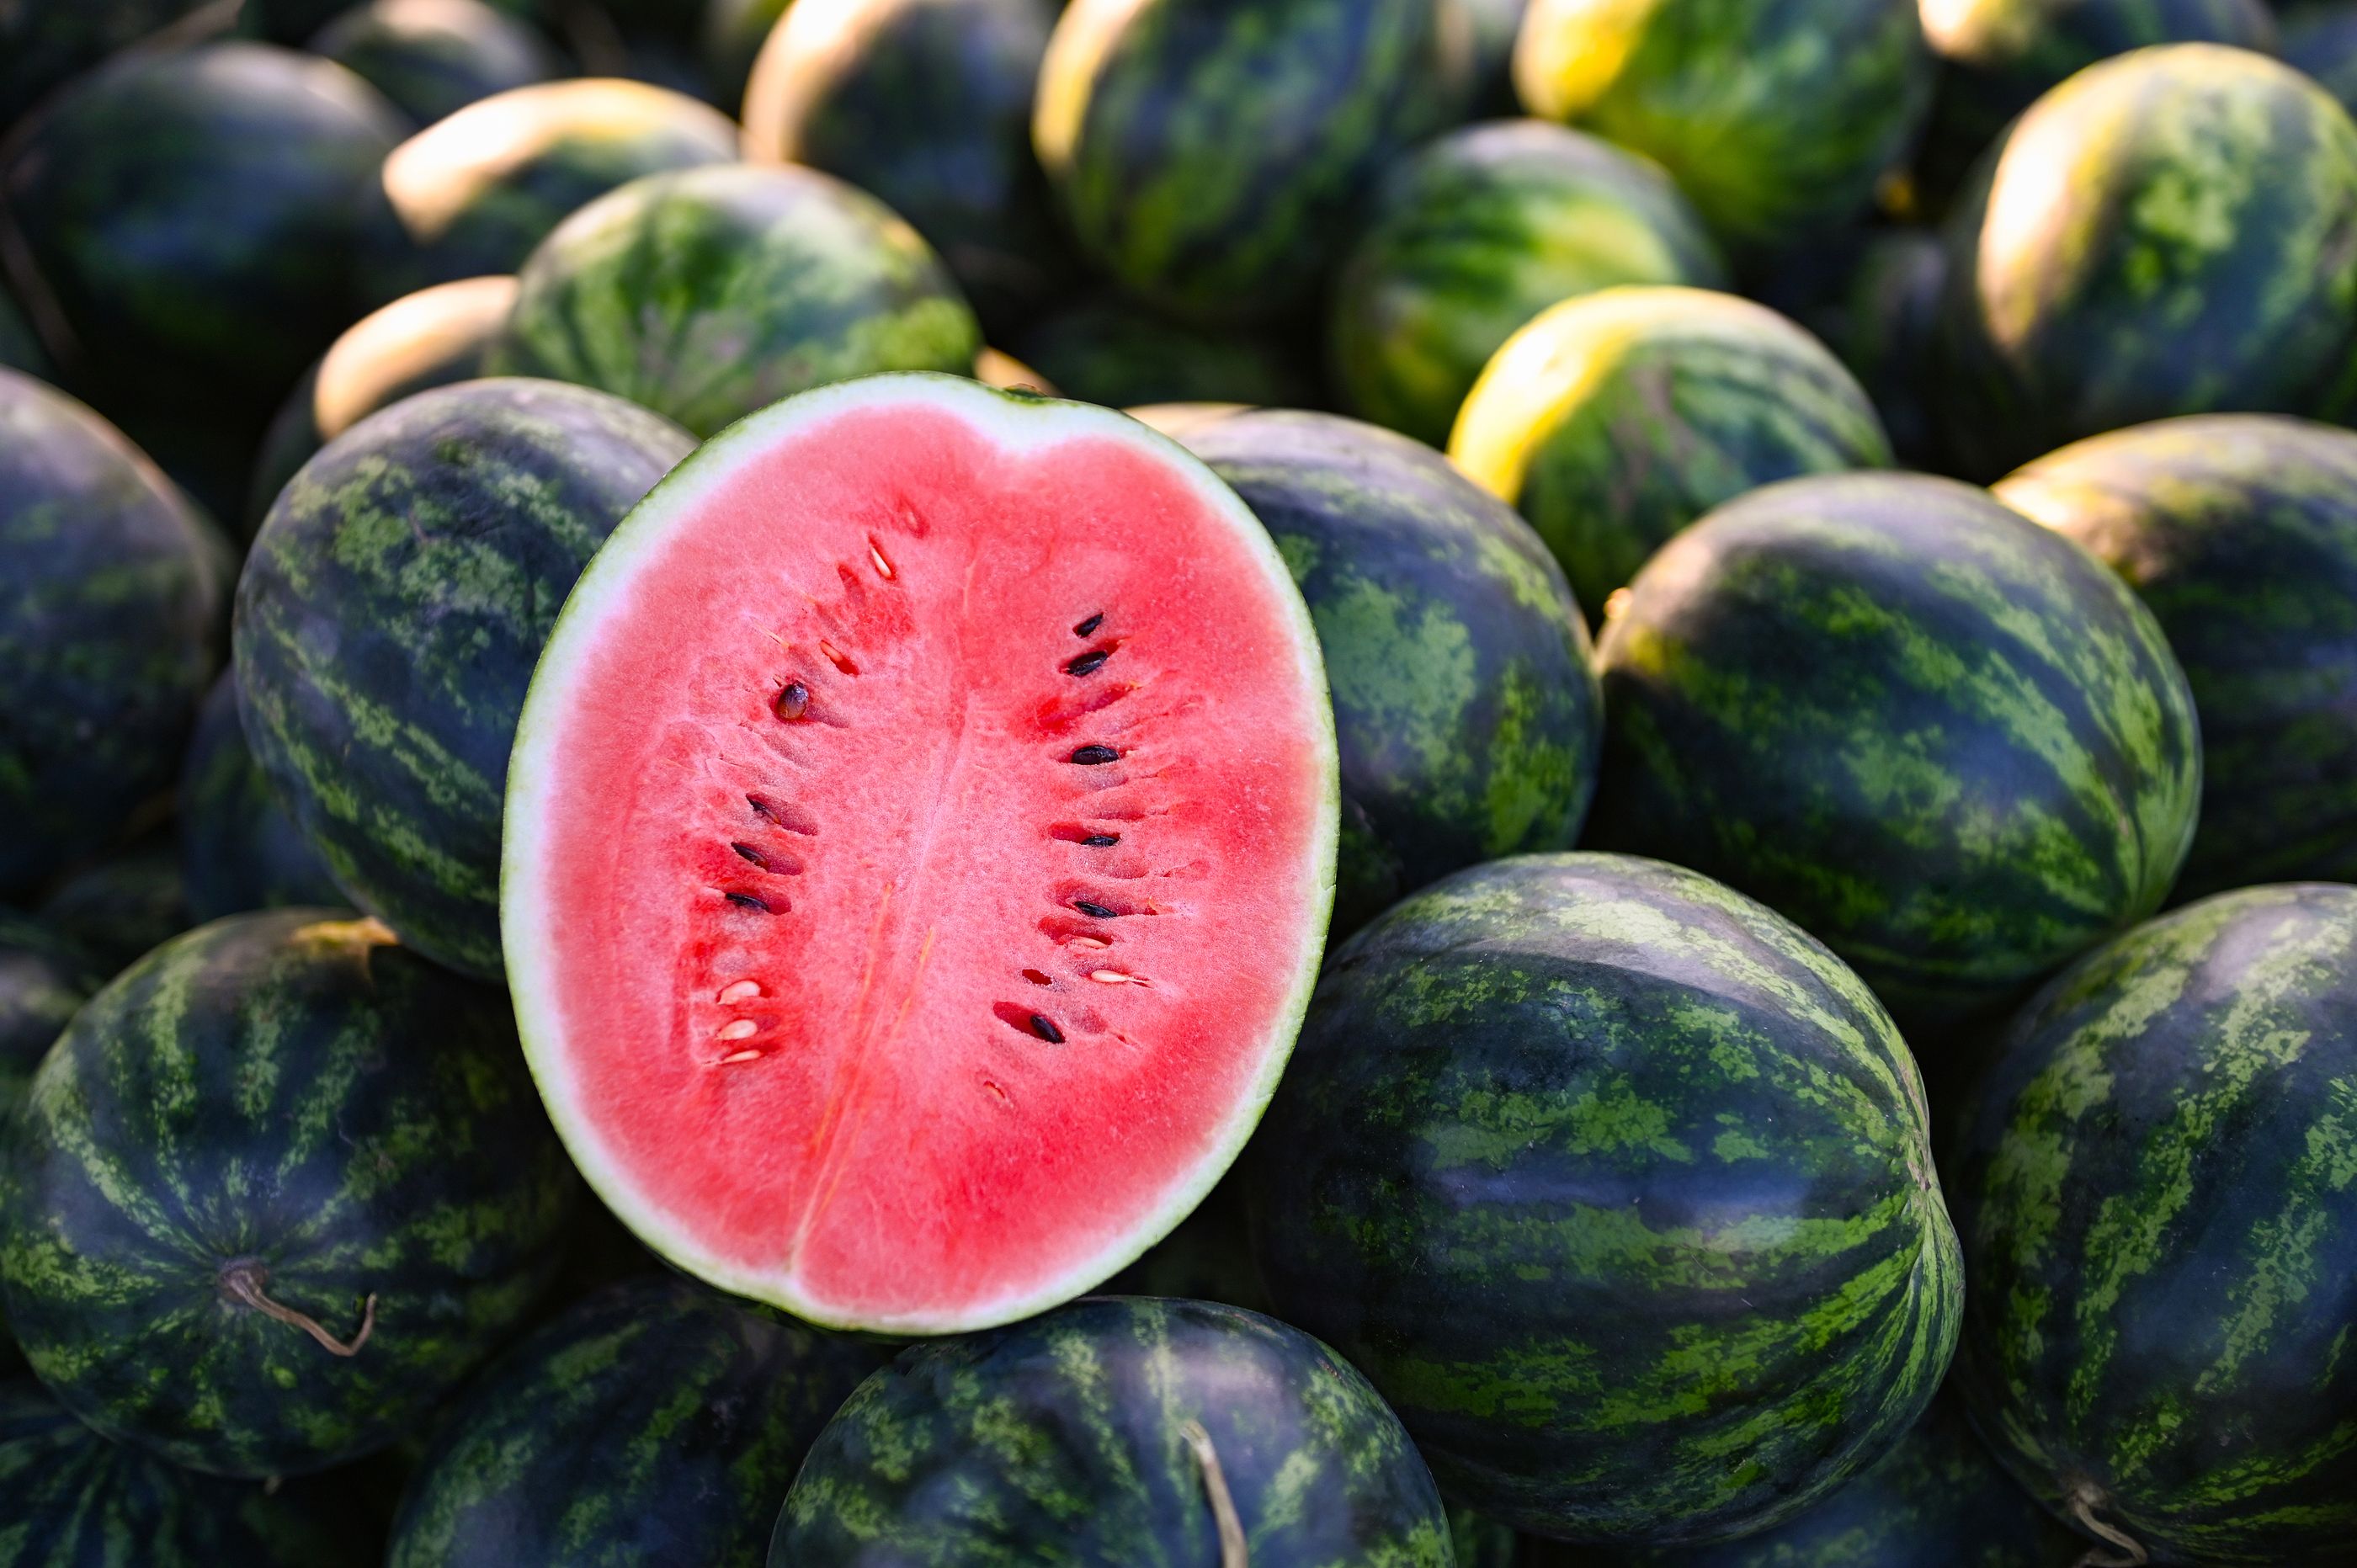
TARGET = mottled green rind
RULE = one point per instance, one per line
(239, 850)
(124, 906)
(1620, 1188)
(1107, 350)
(2321, 40)
(42, 44)
(107, 612)
(1059, 1443)
(1208, 156)
(1464, 702)
(433, 59)
(1775, 117)
(1946, 741)
(1477, 232)
(2170, 233)
(389, 618)
(292, 1088)
(2159, 1202)
(655, 1422)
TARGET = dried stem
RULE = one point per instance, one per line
(1233, 1554)
(245, 1282)
(2082, 1501)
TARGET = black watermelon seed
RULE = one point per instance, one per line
(1095, 755)
(1101, 840)
(1089, 663)
(1090, 625)
(793, 702)
(750, 901)
(1084, 907)
(1046, 1030)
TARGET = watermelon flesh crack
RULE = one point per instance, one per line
(919, 847)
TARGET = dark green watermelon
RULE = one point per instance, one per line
(2320, 40)
(20, 346)
(2240, 532)
(706, 294)
(1109, 1431)
(433, 58)
(1109, 350)
(2200, 257)
(107, 614)
(1465, 704)
(1614, 420)
(1945, 740)
(437, 540)
(2159, 1202)
(1208, 156)
(1620, 1188)
(123, 906)
(925, 105)
(239, 850)
(42, 44)
(276, 1191)
(655, 1422)
(1884, 324)
(1776, 117)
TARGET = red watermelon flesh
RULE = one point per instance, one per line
(920, 844)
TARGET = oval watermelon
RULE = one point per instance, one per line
(1605, 1176)
(438, 540)
(239, 850)
(1119, 1429)
(433, 58)
(1106, 350)
(275, 1192)
(2158, 1202)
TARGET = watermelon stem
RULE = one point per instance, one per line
(245, 1282)
(2082, 1501)
(1233, 1554)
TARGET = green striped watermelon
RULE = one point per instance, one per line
(1116, 1430)
(1106, 350)
(1620, 1188)
(276, 1191)
(433, 58)
(2158, 1202)
(1477, 232)
(239, 850)
(438, 539)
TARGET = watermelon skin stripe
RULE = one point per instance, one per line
(2159, 1202)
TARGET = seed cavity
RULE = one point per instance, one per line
(883, 566)
(742, 1029)
(837, 657)
(1088, 628)
(1037, 978)
(1047, 1030)
(743, 991)
(1095, 755)
(1089, 663)
(1116, 977)
(1095, 911)
(751, 901)
(793, 702)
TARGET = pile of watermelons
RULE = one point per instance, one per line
(1177, 783)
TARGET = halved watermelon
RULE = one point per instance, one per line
(919, 842)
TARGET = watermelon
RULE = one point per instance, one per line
(1105, 349)
(20, 346)
(1478, 1541)
(1944, 740)
(2172, 232)
(927, 105)
(1620, 1188)
(275, 1192)
(43, 45)
(1614, 420)
(1464, 700)
(1208, 156)
(1116, 1430)
(429, 338)
(124, 906)
(2320, 40)
(471, 195)
(2159, 1202)
(1884, 325)
(1480, 230)
(2240, 533)
(433, 58)
(706, 294)
(655, 1422)
(929, 1034)
(107, 614)
(1776, 118)
(239, 850)
(437, 540)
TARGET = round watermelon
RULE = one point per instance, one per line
(2159, 1202)
(124, 906)
(1119, 1429)
(433, 58)
(2173, 232)
(108, 610)
(1464, 702)
(1776, 118)
(278, 1188)
(1209, 156)
(1946, 741)
(239, 849)
(1106, 350)
(1605, 1174)
(1480, 230)
(1614, 420)
(2320, 40)
(2240, 533)
(43, 45)
(926, 104)
(706, 294)
(654, 1423)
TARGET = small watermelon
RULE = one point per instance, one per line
(706, 294)
(1464, 702)
(926, 104)
(1105, 349)
(1208, 156)
(1945, 740)
(239, 850)
(122, 907)
(1605, 1173)
(1117, 1430)
(654, 1423)
(977, 854)
(2159, 1202)
(2320, 40)
(438, 540)
(43, 45)
(1776, 118)
(1614, 420)
(433, 58)
(107, 615)
(275, 1192)
(1480, 230)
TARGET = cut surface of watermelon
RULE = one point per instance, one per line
(919, 850)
